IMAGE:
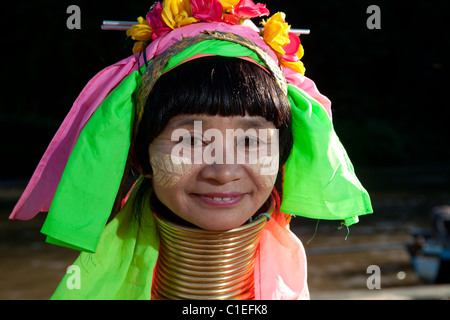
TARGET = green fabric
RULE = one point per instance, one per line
(86, 193)
(319, 181)
(213, 47)
(122, 267)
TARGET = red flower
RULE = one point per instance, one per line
(156, 22)
(292, 48)
(246, 9)
(230, 18)
(207, 10)
(293, 53)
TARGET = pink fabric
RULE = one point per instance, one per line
(39, 192)
(308, 86)
(280, 266)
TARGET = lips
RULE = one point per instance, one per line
(224, 199)
(220, 199)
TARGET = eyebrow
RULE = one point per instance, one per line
(258, 123)
(183, 121)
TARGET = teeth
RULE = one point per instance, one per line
(221, 199)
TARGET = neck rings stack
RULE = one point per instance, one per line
(201, 264)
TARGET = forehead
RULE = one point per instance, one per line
(219, 122)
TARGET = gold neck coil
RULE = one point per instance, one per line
(197, 264)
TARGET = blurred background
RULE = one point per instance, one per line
(387, 90)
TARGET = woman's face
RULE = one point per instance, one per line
(215, 172)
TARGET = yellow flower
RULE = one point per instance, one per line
(296, 66)
(141, 31)
(276, 32)
(300, 52)
(177, 13)
(138, 46)
(228, 4)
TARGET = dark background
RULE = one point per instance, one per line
(387, 90)
(387, 86)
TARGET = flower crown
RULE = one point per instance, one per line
(171, 14)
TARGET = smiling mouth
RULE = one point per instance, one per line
(224, 199)
(219, 199)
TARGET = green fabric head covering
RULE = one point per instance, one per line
(319, 179)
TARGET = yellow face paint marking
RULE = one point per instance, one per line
(169, 169)
(266, 170)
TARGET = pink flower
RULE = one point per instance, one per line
(207, 10)
(246, 9)
(292, 48)
(293, 53)
(156, 22)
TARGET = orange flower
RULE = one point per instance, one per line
(276, 32)
(296, 66)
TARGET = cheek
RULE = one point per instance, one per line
(169, 170)
(266, 170)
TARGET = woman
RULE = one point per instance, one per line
(229, 139)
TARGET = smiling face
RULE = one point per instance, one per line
(194, 175)
(218, 175)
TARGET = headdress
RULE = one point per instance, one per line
(79, 176)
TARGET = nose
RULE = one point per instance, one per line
(222, 173)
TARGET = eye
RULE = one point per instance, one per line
(192, 141)
(248, 142)
(196, 141)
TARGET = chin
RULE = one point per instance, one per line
(220, 225)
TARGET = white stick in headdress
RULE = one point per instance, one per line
(125, 25)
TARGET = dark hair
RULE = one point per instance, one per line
(214, 86)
